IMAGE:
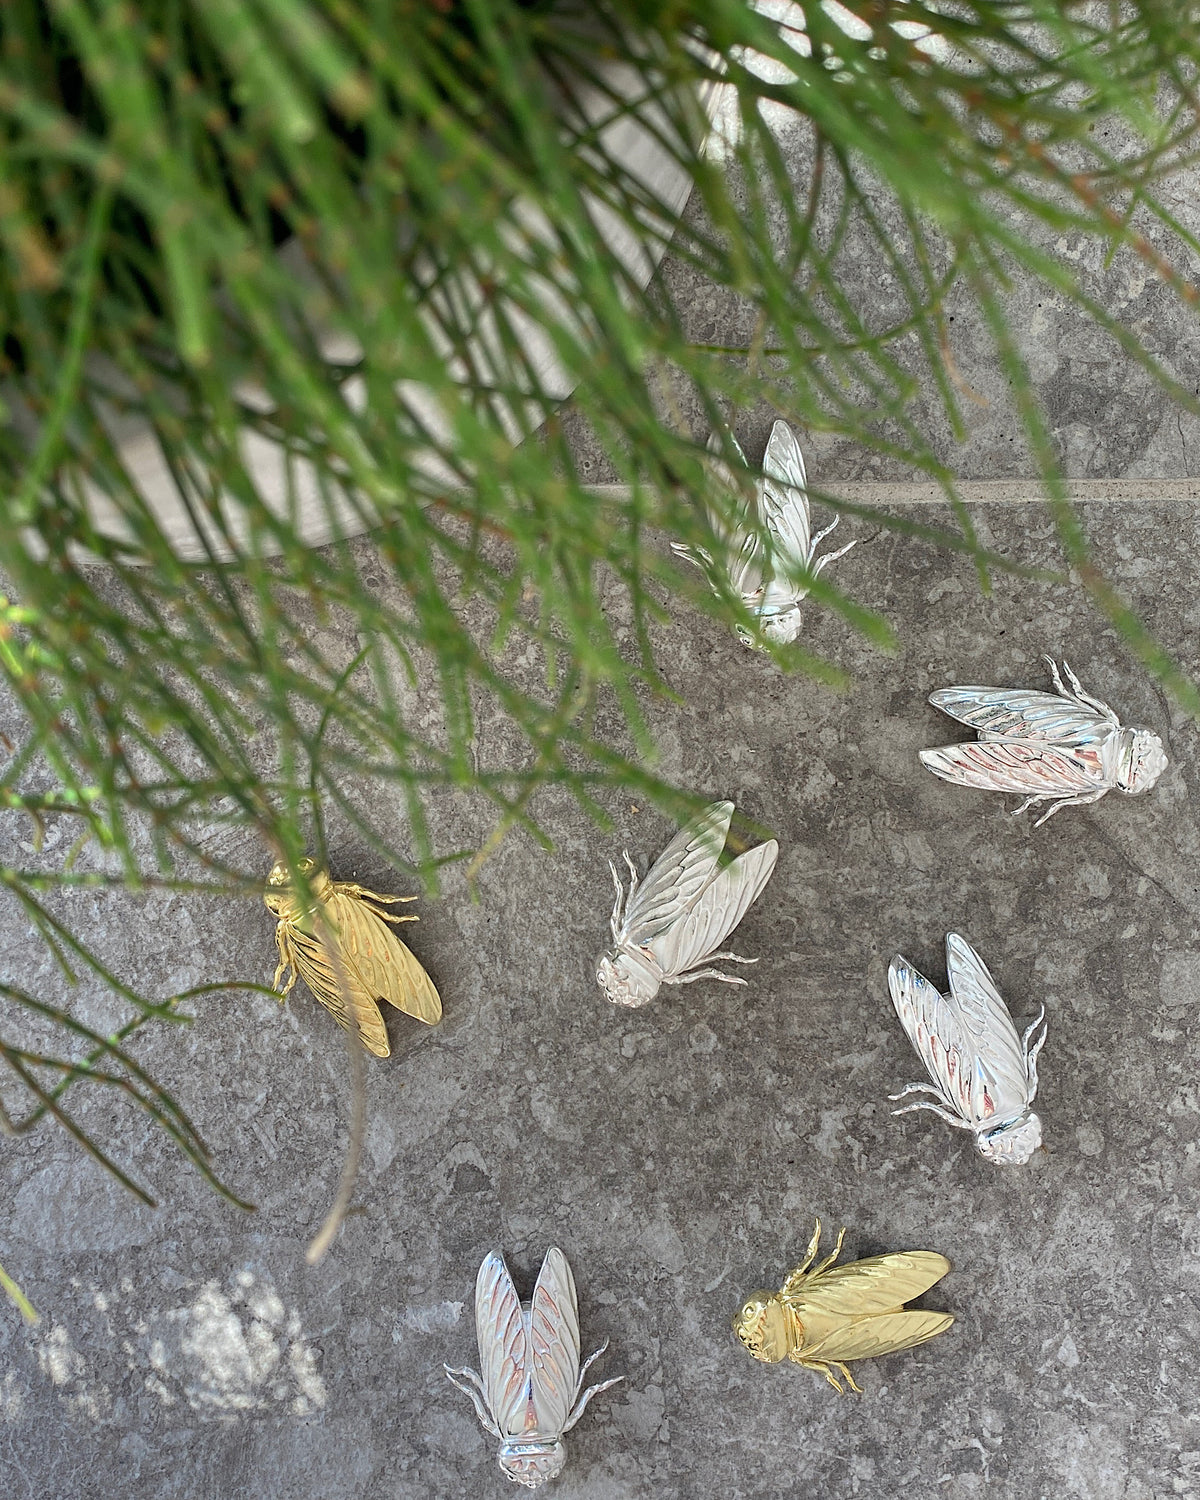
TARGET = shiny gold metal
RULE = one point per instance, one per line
(822, 1317)
(371, 964)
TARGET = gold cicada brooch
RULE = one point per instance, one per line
(826, 1314)
(340, 944)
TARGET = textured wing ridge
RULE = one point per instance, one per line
(783, 498)
(1034, 767)
(502, 1332)
(716, 911)
(866, 1338)
(985, 1017)
(933, 1029)
(860, 1288)
(385, 966)
(1019, 713)
(315, 967)
(554, 1343)
(677, 876)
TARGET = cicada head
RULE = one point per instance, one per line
(280, 896)
(1013, 1143)
(1141, 760)
(627, 979)
(531, 1463)
(781, 627)
(761, 1325)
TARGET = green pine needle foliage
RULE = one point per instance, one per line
(322, 229)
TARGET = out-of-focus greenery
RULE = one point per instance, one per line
(328, 224)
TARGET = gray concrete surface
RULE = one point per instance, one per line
(678, 1154)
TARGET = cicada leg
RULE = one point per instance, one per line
(829, 1259)
(937, 1109)
(347, 888)
(692, 975)
(827, 1369)
(286, 961)
(1079, 801)
(618, 911)
(689, 976)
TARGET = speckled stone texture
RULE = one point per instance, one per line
(680, 1153)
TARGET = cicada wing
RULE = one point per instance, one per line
(745, 564)
(339, 989)
(933, 1029)
(1021, 714)
(716, 911)
(862, 1288)
(502, 1333)
(999, 1083)
(867, 1338)
(1036, 768)
(783, 498)
(385, 966)
(677, 876)
(554, 1343)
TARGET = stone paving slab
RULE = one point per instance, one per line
(678, 1154)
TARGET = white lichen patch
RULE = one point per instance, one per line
(223, 1350)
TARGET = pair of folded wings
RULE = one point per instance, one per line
(374, 965)
(781, 496)
(966, 1039)
(1035, 743)
(528, 1357)
(856, 1311)
(688, 905)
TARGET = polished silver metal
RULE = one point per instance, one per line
(1064, 745)
(984, 1075)
(529, 1392)
(667, 927)
(766, 576)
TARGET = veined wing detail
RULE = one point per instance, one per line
(1038, 768)
(886, 1333)
(715, 911)
(783, 498)
(554, 1343)
(882, 1283)
(985, 1017)
(1021, 714)
(677, 877)
(385, 965)
(501, 1328)
(350, 1002)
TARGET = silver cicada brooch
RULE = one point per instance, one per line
(668, 927)
(1065, 747)
(767, 577)
(528, 1390)
(984, 1075)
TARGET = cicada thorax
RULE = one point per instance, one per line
(1012, 1142)
(1140, 760)
(297, 906)
(768, 1328)
(629, 976)
(530, 1462)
